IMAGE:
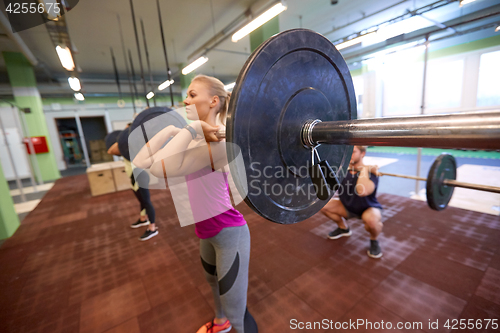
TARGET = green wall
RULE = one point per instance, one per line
(465, 47)
(26, 95)
(261, 34)
(9, 221)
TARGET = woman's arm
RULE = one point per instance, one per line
(146, 156)
(179, 158)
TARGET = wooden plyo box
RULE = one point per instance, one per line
(108, 177)
(101, 179)
(122, 180)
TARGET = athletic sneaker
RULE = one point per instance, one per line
(337, 233)
(211, 327)
(375, 251)
(148, 234)
(139, 223)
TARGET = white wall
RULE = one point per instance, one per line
(10, 121)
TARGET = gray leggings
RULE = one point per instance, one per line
(225, 259)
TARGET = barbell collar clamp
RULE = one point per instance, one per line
(306, 133)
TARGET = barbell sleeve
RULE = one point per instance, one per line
(479, 130)
(449, 182)
(479, 187)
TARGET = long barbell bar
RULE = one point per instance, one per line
(480, 130)
(479, 187)
(448, 182)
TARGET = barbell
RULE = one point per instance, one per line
(295, 95)
(441, 181)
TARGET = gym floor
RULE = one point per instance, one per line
(75, 265)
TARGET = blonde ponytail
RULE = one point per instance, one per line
(224, 109)
(216, 88)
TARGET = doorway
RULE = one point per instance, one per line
(69, 137)
(94, 131)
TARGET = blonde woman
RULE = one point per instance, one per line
(196, 153)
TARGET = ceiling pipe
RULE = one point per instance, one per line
(405, 16)
(232, 27)
(461, 33)
(485, 13)
(363, 18)
(221, 35)
(17, 40)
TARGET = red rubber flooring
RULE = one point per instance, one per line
(74, 265)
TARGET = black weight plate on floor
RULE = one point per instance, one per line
(111, 139)
(438, 194)
(148, 123)
(294, 76)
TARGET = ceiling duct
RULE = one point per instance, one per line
(17, 40)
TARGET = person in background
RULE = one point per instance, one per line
(147, 214)
(357, 195)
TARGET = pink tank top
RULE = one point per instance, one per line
(210, 201)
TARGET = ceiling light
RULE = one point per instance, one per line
(195, 64)
(74, 83)
(354, 41)
(79, 96)
(257, 22)
(229, 86)
(65, 57)
(165, 84)
(150, 95)
(464, 2)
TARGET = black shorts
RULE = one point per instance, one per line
(356, 215)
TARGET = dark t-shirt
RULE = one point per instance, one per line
(353, 202)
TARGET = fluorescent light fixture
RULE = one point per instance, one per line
(464, 2)
(354, 41)
(497, 29)
(394, 49)
(257, 22)
(65, 57)
(74, 83)
(79, 96)
(150, 95)
(195, 64)
(165, 84)
(229, 86)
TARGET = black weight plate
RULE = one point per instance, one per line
(111, 139)
(294, 76)
(148, 123)
(123, 143)
(438, 194)
(148, 114)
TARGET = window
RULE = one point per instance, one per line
(444, 84)
(358, 83)
(402, 77)
(488, 89)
